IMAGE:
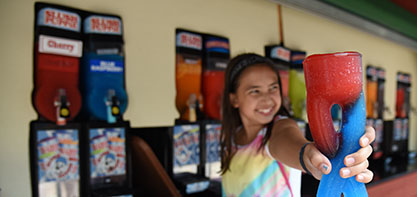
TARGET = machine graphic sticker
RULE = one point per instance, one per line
(213, 142)
(58, 158)
(107, 152)
(186, 145)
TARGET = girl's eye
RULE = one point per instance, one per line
(253, 91)
(274, 88)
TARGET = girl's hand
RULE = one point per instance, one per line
(356, 163)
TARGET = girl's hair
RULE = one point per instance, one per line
(230, 116)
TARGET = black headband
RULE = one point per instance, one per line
(241, 65)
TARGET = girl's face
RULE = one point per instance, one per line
(257, 95)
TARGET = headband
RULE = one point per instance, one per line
(241, 65)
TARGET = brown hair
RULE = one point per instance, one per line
(230, 115)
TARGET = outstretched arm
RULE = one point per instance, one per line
(286, 142)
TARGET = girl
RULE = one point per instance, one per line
(256, 136)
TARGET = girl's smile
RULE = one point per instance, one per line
(265, 112)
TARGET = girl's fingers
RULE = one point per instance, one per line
(365, 177)
(316, 162)
(358, 157)
(347, 172)
(356, 163)
(368, 137)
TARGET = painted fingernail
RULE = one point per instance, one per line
(365, 140)
(350, 160)
(324, 168)
(345, 172)
(360, 177)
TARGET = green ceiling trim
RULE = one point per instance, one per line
(383, 12)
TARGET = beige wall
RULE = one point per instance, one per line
(149, 34)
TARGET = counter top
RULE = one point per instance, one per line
(401, 183)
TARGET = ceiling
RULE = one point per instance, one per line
(409, 5)
(394, 20)
(397, 15)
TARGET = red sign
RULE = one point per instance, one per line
(59, 19)
(189, 40)
(283, 54)
(105, 25)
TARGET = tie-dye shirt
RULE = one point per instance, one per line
(256, 173)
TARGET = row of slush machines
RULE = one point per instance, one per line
(78, 145)
(390, 154)
(391, 136)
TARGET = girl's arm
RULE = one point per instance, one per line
(286, 142)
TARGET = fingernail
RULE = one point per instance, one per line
(360, 177)
(365, 140)
(324, 168)
(345, 172)
(350, 160)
